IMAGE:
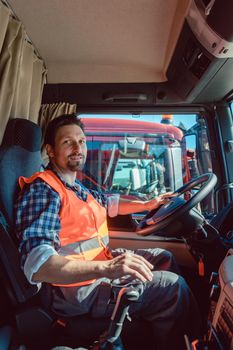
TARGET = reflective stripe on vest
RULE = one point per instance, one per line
(83, 246)
(84, 232)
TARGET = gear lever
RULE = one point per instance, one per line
(111, 339)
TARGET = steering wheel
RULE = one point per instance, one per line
(157, 219)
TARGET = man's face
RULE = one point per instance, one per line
(70, 150)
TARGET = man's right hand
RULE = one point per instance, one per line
(127, 264)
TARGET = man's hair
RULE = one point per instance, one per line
(55, 124)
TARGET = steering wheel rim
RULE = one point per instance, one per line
(155, 223)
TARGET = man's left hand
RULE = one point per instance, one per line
(161, 200)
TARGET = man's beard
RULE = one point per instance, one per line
(76, 166)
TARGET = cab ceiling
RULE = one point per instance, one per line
(103, 41)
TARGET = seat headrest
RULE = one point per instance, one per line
(23, 133)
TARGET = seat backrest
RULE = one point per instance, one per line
(19, 155)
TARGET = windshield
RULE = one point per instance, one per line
(136, 166)
(143, 157)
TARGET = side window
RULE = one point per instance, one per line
(199, 157)
(204, 156)
(198, 149)
(231, 106)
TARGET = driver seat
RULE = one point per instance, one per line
(26, 306)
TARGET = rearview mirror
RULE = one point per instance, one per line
(131, 144)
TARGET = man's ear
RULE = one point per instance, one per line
(49, 150)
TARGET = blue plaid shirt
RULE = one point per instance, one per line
(37, 214)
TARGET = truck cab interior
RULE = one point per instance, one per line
(145, 61)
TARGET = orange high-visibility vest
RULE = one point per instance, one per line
(84, 231)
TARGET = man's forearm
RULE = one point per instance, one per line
(60, 270)
(129, 206)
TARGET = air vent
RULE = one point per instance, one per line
(125, 98)
(195, 60)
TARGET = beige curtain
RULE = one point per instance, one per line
(51, 111)
(22, 72)
(38, 81)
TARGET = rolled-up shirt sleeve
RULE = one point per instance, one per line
(35, 259)
(113, 205)
(109, 201)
